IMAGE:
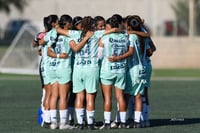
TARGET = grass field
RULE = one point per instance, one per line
(174, 98)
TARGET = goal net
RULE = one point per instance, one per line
(20, 57)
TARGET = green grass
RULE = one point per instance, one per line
(176, 73)
(174, 105)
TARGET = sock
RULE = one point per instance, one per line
(47, 116)
(107, 117)
(80, 115)
(71, 113)
(63, 116)
(123, 117)
(53, 114)
(90, 117)
(137, 116)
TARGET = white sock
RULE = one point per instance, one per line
(80, 115)
(63, 116)
(137, 116)
(123, 117)
(47, 116)
(53, 114)
(90, 117)
(71, 113)
(107, 117)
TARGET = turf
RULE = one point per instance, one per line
(174, 105)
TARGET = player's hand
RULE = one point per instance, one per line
(113, 58)
(64, 55)
(39, 52)
(89, 34)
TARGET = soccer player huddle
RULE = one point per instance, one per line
(80, 55)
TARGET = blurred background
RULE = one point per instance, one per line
(174, 26)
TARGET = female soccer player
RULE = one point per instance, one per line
(99, 23)
(146, 106)
(49, 24)
(113, 73)
(76, 26)
(136, 76)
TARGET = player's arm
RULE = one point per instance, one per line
(52, 54)
(123, 56)
(112, 30)
(149, 52)
(139, 33)
(62, 31)
(76, 47)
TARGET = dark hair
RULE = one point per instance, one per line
(97, 19)
(138, 19)
(88, 25)
(112, 22)
(118, 18)
(47, 26)
(64, 19)
(134, 23)
(53, 19)
(76, 20)
(49, 20)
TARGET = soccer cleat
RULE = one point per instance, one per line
(46, 125)
(80, 126)
(40, 116)
(54, 125)
(137, 125)
(105, 126)
(65, 126)
(115, 125)
(92, 127)
(130, 123)
(71, 122)
(122, 126)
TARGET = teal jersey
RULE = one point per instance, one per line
(50, 36)
(114, 44)
(75, 34)
(50, 39)
(134, 60)
(45, 58)
(62, 46)
(87, 56)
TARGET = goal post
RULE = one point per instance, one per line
(20, 57)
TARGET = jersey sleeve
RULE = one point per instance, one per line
(132, 40)
(99, 33)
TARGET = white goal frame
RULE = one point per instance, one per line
(33, 69)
